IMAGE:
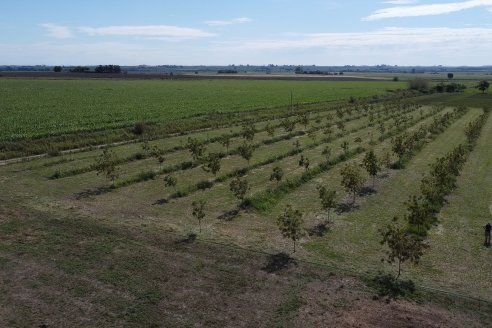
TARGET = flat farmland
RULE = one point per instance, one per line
(80, 247)
(32, 108)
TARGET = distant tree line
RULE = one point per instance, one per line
(300, 70)
(449, 87)
(108, 69)
(227, 71)
(80, 69)
(423, 85)
(111, 69)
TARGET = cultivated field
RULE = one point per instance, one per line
(36, 108)
(78, 248)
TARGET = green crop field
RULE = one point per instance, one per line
(33, 108)
(79, 247)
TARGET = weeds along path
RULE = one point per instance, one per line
(354, 239)
(457, 254)
(276, 152)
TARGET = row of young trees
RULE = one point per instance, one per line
(290, 222)
(352, 177)
(211, 162)
(406, 242)
(404, 145)
(266, 199)
(197, 148)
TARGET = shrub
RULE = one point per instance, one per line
(418, 84)
(147, 175)
(139, 128)
(202, 185)
(186, 165)
(56, 175)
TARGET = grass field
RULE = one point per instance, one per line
(76, 251)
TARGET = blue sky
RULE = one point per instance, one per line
(220, 32)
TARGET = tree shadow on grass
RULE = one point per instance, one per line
(278, 262)
(229, 215)
(189, 239)
(366, 191)
(384, 175)
(387, 285)
(346, 207)
(92, 192)
(320, 229)
(162, 201)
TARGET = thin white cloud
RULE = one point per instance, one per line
(56, 31)
(427, 10)
(400, 37)
(240, 20)
(401, 2)
(154, 31)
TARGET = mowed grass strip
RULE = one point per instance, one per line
(354, 239)
(457, 257)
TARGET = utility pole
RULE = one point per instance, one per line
(291, 100)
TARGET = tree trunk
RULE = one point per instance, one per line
(294, 245)
(399, 271)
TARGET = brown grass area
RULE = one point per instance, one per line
(344, 302)
(95, 276)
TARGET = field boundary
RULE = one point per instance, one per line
(197, 77)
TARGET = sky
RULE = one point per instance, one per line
(255, 32)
